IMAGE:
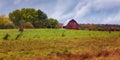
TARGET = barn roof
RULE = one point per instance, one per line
(72, 20)
(68, 22)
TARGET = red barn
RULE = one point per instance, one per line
(72, 24)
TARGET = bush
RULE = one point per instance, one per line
(9, 26)
(28, 25)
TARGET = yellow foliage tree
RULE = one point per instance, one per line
(4, 20)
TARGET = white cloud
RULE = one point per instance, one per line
(83, 8)
(113, 19)
(105, 4)
(80, 12)
(60, 8)
(84, 11)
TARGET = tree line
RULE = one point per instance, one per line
(27, 18)
(100, 27)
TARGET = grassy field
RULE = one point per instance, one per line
(49, 44)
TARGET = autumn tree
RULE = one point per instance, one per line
(4, 21)
(28, 25)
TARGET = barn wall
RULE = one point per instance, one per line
(72, 24)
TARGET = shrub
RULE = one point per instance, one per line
(28, 25)
(9, 26)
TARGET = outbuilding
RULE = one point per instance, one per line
(72, 24)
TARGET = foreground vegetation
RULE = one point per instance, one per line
(57, 44)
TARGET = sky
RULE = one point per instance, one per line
(83, 11)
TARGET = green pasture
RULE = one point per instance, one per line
(45, 42)
(32, 34)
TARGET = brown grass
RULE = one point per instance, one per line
(99, 55)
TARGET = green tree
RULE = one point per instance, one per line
(41, 20)
(41, 15)
(52, 23)
(18, 17)
(15, 16)
(40, 24)
(29, 14)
